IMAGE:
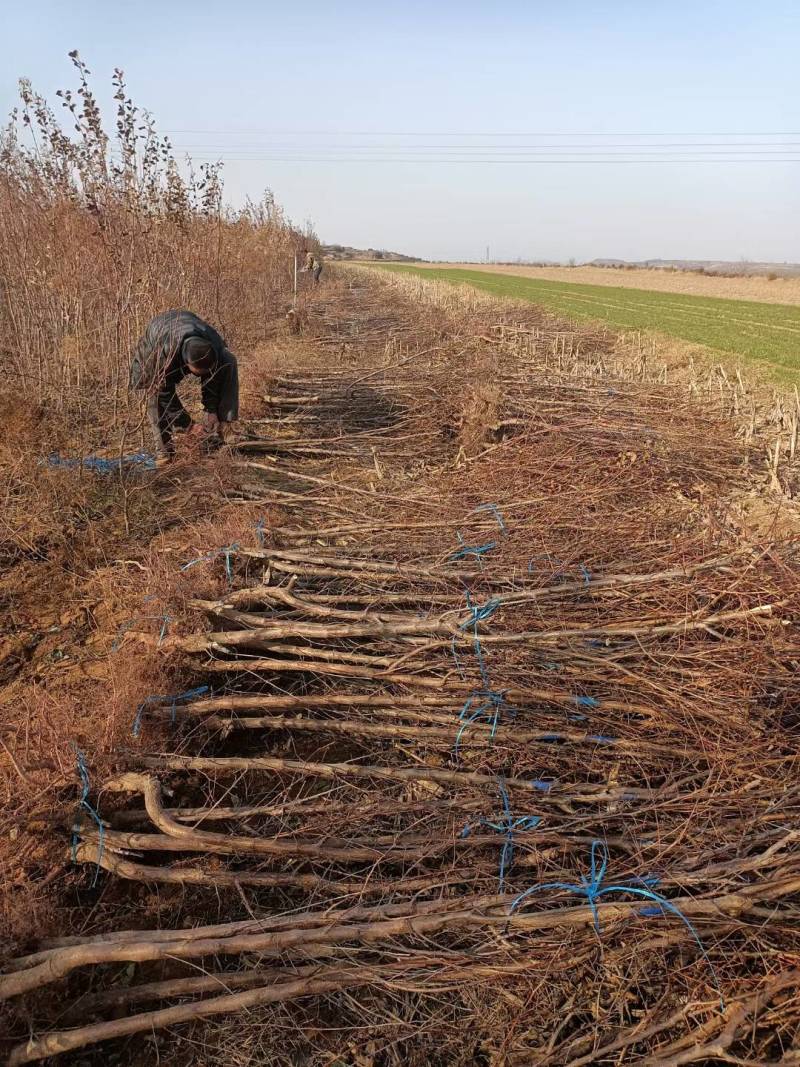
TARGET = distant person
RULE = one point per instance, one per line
(176, 344)
(313, 265)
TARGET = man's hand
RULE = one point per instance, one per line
(211, 424)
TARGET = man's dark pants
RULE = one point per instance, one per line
(166, 413)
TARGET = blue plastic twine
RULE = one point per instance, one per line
(165, 620)
(506, 825)
(103, 465)
(471, 550)
(84, 805)
(478, 613)
(592, 888)
(228, 552)
(586, 702)
(493, 703)
(495, 510)
(478, 551)
(173, 701)
(481, 612)
(164, 625)
(561, 573)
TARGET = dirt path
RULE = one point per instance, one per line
(490, 613)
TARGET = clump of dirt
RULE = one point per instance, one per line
(765, 518)
(479, 419)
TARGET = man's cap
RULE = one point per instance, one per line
(198, 352)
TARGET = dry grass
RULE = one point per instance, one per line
(777, 291)
(91, 245)
(623, 577)
(99, 232)
(93, 561)
(691, 672)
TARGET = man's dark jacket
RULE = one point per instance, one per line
(158, 364)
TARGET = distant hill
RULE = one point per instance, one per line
(729, 268)
(381, 254)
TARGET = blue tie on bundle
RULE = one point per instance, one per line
(587, 702)
(495, 510)
(228, 552)
(472, 550)
(506, 825)
(491, 700)
(165, 623)
(173, 702)
(542, 785)
(492, 704)
(84, 805)
(102, 465)
(562, 572)
(163, 619)
(478, 551)
(478, 613)
(592, 888)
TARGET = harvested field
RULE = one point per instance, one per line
(763, 336)
(756, 288)
(486, 742)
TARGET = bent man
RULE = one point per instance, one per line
(313, 266)
(176, 344)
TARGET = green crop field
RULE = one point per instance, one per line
(767, 334)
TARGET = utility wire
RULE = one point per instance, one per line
(475, 133)
(497, 161)
(500, 148)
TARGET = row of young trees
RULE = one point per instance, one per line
(101, 230)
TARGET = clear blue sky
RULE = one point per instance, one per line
(386, 124)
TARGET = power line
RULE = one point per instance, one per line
(515, 149)
(724, 151)
(482, 154)
(510, 157)
(619, 160)
(475, 133)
